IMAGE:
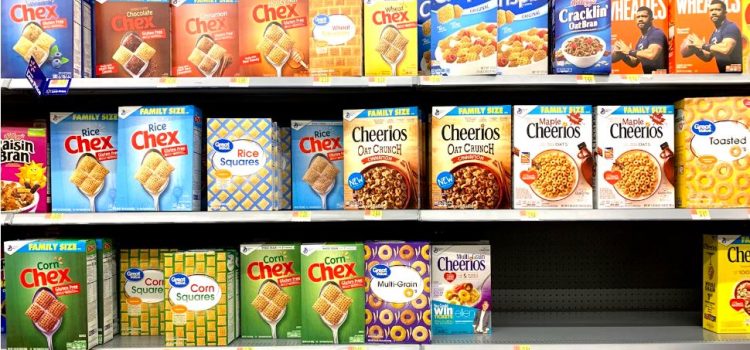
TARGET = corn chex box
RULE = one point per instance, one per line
(141, 291)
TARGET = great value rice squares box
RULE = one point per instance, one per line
(317, 165)
(464, 37)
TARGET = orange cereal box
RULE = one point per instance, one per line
(336, 38)
(205, 38)
(391, 37)
(746, 36)
(639, 39)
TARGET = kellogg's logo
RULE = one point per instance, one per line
(703, 128)
(380, 271)
(134, 275)
(179, 280)
(223, 145)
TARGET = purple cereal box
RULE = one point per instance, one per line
(24, 169)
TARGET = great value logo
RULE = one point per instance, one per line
(703, 128)
(380, 271)
(240, 157)
(196, 292)
(146, 285)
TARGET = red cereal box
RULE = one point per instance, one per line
(639, 36)
(206, 39)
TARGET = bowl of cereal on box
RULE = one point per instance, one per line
(638, 175)
(583, 51)
(386, 187)
(475, 185)
(16, 198)
(468, 49)
(557, 175)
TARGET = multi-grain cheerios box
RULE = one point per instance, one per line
(398, 292)
(206, 38)
(141, 291)
(522, 37)
(553, 164)
(83, 161)
(582, 35)
(199, 305)
(390, 37)
(317, 165)
(424, 32)
(333, 293)
(639, 37)
(461, 289)
(159, 158)
(336, 41)
(24, 169)
(383, 158)
(635, 166)
(52, 294)
(270, 287)
(713, 160)
(470, 166)
(726, 291)
(106, 277)
(464, 37)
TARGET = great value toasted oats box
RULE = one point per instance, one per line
(639, 37)
(160, 150)
(106, 277)
(52, 294)
(470, 163)
(390, 37)
(582, 35)
(206, 38)
(424, 32)
(726, 288)
(553, 165)
(83, 161)
(199, 309)
(336, 40)
(24, 169)
(317, 165)
(141, 291)
(522, 37)
(270, 291)
(464, 41)
(635, 166)
(333, 294)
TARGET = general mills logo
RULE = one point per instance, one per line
(223, 145)
(703, 128)
(134, 275)
(380, 271)
(179, 280)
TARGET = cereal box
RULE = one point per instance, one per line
(317, 165)
(712, 154)
(391, 37)
(635, 164)
(470, 163)
(383, 158)
(553, 166)
(200, 308)
(707, 36)
(639, 39)
(106, 277)
(582, 37)
(270, 291)
(133, 38)
(160, 150)
(746, 36)
(465, 38)
(274, 37)
(333, 294)
(398, 292)
(424, 31)
(461, 289)
(2, 295)
(285, 164)
(142, 291)
(336, 38)
(522, 37)
(726, 291)
(206, 38)
(52, 294)
(84, 161)
(24, 169)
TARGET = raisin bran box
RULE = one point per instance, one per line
(24, 169)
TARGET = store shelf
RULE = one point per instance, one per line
(584, 215)
(630, 79)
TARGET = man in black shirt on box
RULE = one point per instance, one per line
(725, 44)
(651, 50)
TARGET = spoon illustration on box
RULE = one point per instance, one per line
(154, 174)
(271, 304)
(88, 176)
(321, 176)
(277, 47)
(333, 307)
(46, 312)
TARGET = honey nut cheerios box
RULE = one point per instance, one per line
(142, 291)
(106, 277)
(553, 162)
(390, 37)
(726, 287)
(713, 158)
(523, 37)
(639, 37)
(24, 169)
(317, 166)
(470, 163)
(582, 35)
(424, 32)
(336, 41)
(635, 166)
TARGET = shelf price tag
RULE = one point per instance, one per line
(167, 82)
(301, 216)
(239, 82)
(700, 214)
(322, 81)
(54, 216)
(521, 347)
(377, 81)
(432, 79)
(529, 215)
(373, 214)
(585, 79)
(632, 78)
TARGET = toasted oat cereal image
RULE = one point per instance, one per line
(640, 174)
(385, 187)
(557, 175)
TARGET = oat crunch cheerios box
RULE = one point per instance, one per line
(390, 37)
(582, 35)
(317, 165)
(522, 37)
(726, 291)
(24, 169)
(142, 291)
(464, 37)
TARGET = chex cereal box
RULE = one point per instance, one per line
(270, 291)
(553, 163)
(285, 164)
(726, 288)
(52, 294)
(206, 38)
(391, 37)
(461, 289)
(464, 41)
(383, 158)
(24, 169)
(160, 150)
(84, 161)
(635, 166)
(317, 165)
(398, 292)
(707, 36)
(713, 158)
(141, 291)
(639, 37)
(333, 293)
(424, 32)
(106, 277)
(582, 35)
(470, 163)
(522, 37)
(336, 38)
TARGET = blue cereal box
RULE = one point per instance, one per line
(84, 161)
(464, 41)
(317, 165)
(424, 26)
(582, 33)
(522, 37)
(160, 157)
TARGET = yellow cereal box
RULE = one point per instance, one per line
(336, 38)
(391, 37)
(141, 291)
(726, 285)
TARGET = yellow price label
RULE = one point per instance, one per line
(302, 216)
(377, 81)
(166, 82)
(586, 79)
(322, 81)
(239, 81)
(521, 347)
(529, 215)
(632, 78)
(700, 214)
(432, 79)
(373, 214)
(54, 216)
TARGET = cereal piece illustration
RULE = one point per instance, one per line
(333, 307)
(134, 54)
(208, 56)
(153, 174)
(278, 48)
(271, 304)
(321, 176)
(391, 46)
(46, 312)
(34, 42)
(88, 177)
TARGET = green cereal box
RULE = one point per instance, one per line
(52, 294)
(106, 277)
(141, 291)
(333, 293)
(270, 291)
(200, 307)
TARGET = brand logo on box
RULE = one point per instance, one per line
(703, 128)
(179, 280)
(380, 271)
(223, 145)
(321, 20)
(134, 275)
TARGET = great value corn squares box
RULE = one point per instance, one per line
(582, 35)
(639, 37)
(522, 37)
(464, 39)
(52, 294)
(317, 165)
(141, 291)
(160, 150)
(270, 291)
(391, 37)
(83, 161)
(726, 289)
(199, 309)
(336, 38)
(333, 294)
(424, 32)
(206, 38)
(24, 169)
(106, 277)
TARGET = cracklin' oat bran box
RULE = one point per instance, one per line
(206, 38)
(141, 291)
(726, 291)
(336, 37)
(106, 276)
(582, 35)
(390, 37)
(640, 32)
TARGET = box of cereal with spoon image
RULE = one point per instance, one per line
(317, 165)
(391, 37)
(52, 294)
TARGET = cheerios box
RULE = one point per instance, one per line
(553, 162)
(333, 293)
(141, 279)
(582, 35)
(52, 294)
(398, 292)
(639, 37)
(390, 37)
(24, 169)
(464, 37)
(159, 158)
(317, 165)
(522, 37)
(424, 32)
(461, 289)
(726, 291)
